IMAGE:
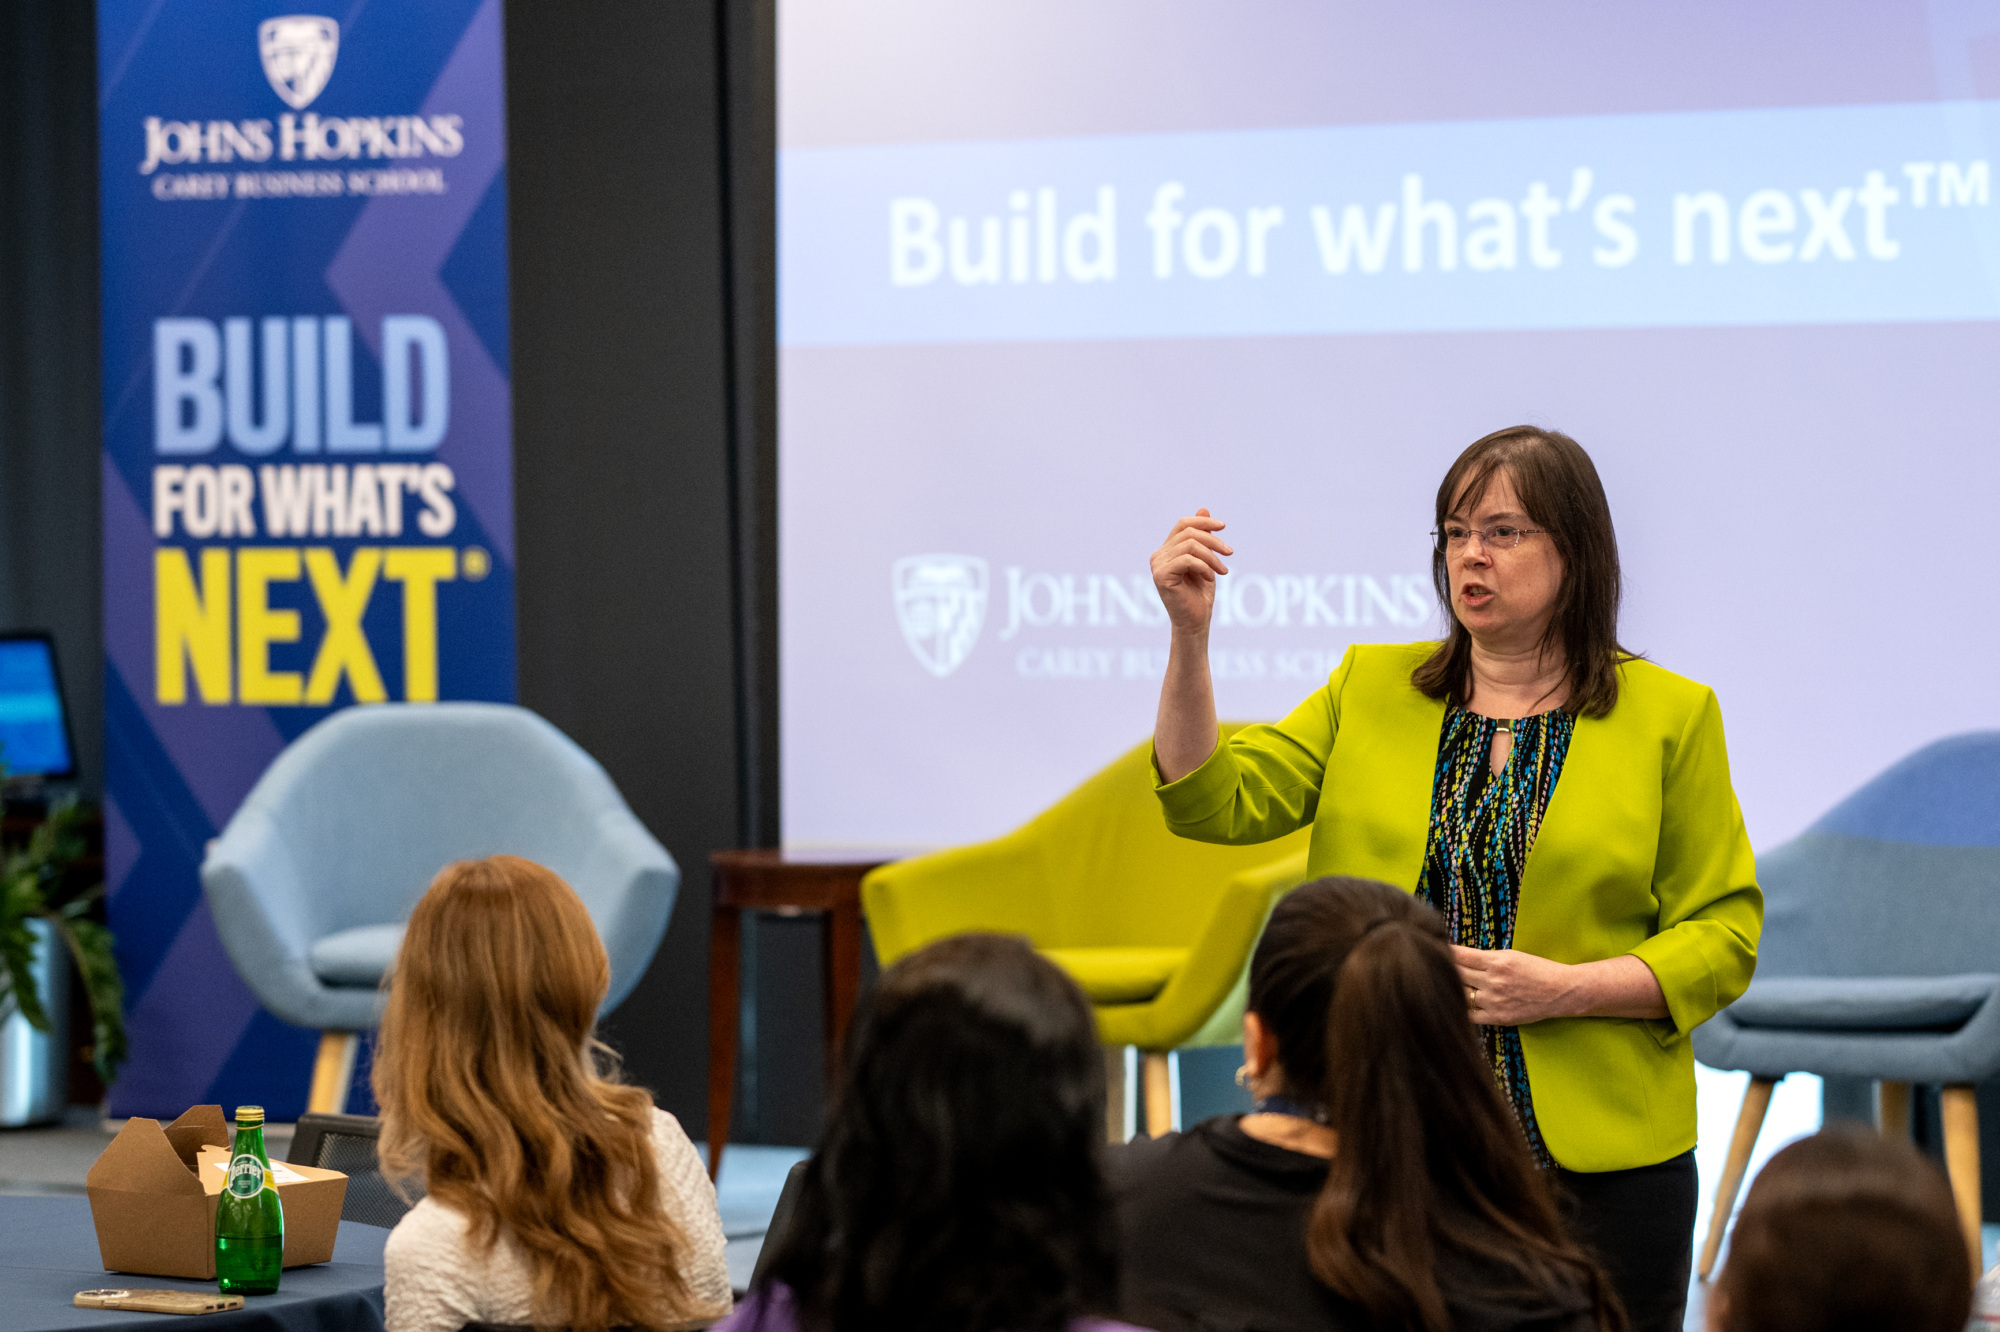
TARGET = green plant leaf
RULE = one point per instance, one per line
(17, 973)
(28, 878)
(91, 946)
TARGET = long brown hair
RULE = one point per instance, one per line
(1430, 1160)
(1847, 1229)
(1560, 489)
(487, 1072)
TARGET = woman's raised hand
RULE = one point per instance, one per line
(1185, 568)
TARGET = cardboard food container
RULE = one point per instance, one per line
(153, 1193)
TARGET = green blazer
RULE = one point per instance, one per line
(1641, 851)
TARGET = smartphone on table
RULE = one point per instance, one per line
(158, 1301)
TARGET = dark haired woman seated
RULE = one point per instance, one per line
(1381, 1182)
(1845, 1229)
(956, 1186)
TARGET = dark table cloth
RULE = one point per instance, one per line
(48, 1252)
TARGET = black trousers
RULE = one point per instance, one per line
(1640, 1225)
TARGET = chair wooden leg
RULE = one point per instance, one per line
(333, 1070)
(1159, 1093)
(1892, 1109)
(1961, 1159)
(1756, 1101)
(1121, 1093)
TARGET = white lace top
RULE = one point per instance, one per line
(438, 1283)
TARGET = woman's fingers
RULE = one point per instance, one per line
(1188, 569)
(1487, 992)
(1195, 541)
(1196, 550)
(1197, 523)
(1186, 566)
(1508, 988)
(1192, 550)
(1199, 519)
(1199, 536)
(1192, 545)
(1473, 963)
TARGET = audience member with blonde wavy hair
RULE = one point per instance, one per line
(554, 1195)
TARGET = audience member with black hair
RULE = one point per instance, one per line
(1845, 1231)
(956, 1187)
(1381, 1183)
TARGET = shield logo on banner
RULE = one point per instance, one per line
(298, 53)
(941, 603)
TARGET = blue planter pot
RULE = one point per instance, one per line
(34, 1065)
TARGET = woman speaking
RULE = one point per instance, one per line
(1563, 804)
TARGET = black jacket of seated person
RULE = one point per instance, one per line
(1212, 1238)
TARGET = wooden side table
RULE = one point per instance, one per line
(785, 883)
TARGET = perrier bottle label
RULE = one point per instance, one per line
(247, 1176)
(249, 1219)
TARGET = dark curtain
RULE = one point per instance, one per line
(49, 440)
(640, 192)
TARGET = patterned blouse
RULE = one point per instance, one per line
(1483, 826)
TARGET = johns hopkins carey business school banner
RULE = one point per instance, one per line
(307, 459)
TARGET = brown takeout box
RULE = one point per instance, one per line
(153, 1192)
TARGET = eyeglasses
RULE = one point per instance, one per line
(1501, 536)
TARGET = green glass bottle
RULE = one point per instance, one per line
(249, 1219)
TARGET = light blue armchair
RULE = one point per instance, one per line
(1880, 959)
(312, 879)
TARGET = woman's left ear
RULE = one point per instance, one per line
(1260, 1047)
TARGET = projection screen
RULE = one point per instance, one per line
(1052, 274)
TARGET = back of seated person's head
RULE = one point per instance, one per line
(956, 1184)
(1355, 980)
(487, 1073)
(1845, 1230)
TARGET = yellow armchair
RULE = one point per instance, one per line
(1156, 929)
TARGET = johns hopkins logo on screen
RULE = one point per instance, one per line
(1076, 626)
(1055, 625)
(941, 604)
(298, 51)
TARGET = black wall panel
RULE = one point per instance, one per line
(637, 461)
(621, 446)
(49, 437)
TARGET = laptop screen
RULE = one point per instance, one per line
(34, 734)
